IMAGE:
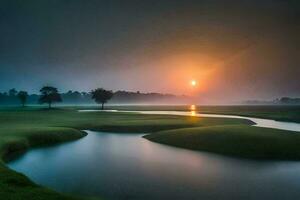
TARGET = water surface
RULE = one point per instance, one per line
(127, 166)
(265, 123)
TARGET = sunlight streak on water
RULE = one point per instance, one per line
(193, 107)
(193, 110)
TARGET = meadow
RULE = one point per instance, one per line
(21, 129)
(275, 112)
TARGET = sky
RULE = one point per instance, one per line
(235, 49)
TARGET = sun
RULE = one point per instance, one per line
(193, 82)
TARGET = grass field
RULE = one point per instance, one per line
(280, 113)
(236, 140)
(21, 129)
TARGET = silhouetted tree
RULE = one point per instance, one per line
(72, 97)
(12, 92)
(22, 95)
(49, 95)
(101, 96)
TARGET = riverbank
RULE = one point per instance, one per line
(14, 185)
(234, 140)
(21, 129)
(276, 112)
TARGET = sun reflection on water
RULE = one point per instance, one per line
(193, 113)
(193, 110)
(193, 107)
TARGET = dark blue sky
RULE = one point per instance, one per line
(235, 49)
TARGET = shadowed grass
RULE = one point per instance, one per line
(235, 140)
(13, 185)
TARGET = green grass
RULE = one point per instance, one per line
(276, 112)
(279, 113)
(235, 140)
(21, 129)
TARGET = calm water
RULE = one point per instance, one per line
(266, 123)
(126, 166)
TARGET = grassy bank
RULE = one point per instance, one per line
(14, 185)
(21, 129)
(235, 140)
(279, 113)
(275, 112)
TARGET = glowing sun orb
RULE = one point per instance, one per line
(193, 83)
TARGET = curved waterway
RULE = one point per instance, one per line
(127, 166)
(266, 123)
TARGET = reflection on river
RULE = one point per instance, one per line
(126, 166)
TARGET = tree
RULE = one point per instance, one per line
(101, 96)
(12, 92)
(22, 95)
(49, 95)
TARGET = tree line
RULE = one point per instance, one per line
(278, 101)
(49, 95)
(75, 97)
